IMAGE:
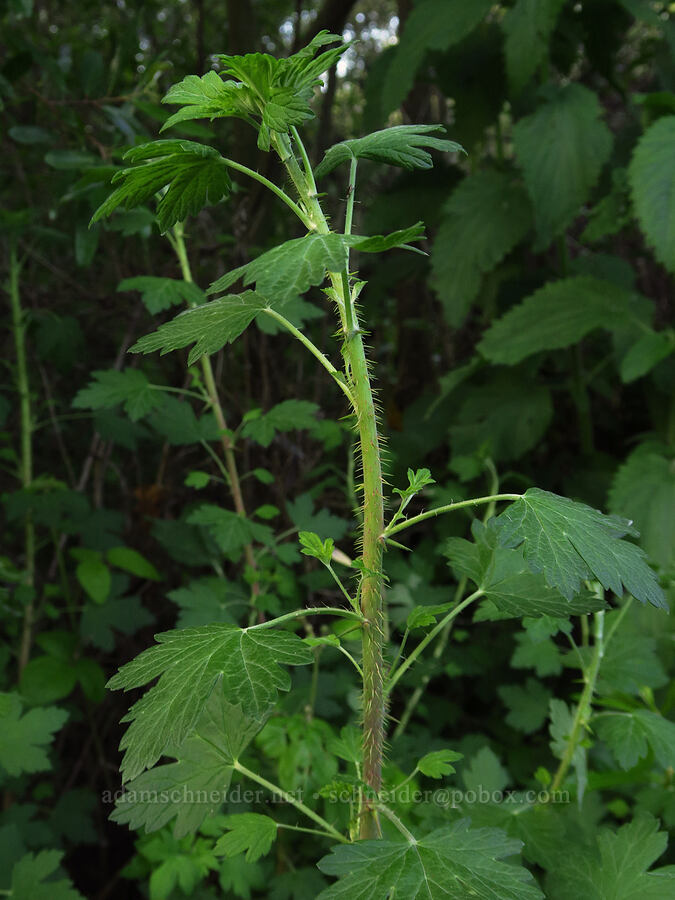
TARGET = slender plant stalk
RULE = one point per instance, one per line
(26, 464)
(450, 507)
(178, 242)
(583, 711)
(373, 501)
(328, 829)
(428, 638)
(418, 693)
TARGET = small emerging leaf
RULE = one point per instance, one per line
(438, 763)
(312, 545)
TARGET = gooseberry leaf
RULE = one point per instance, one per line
(616, 867)
(312, 545)
(193, 174)
(629, 735)
(188, 663)
(571, 542)
(247, 832)
(24, 739)
(195, 786)
(209, 327)
(451, 862)
(129, 388)
(439, 763)
(406, 146)
(159, 294)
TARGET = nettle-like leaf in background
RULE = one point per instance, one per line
(644, 487)
(484, 219)
(557, 315)
(652, 180)
(24, 739)
(571, 542)
(511, 588)
(508, 416)
(431, 25)
(561, 149)
(194, 786)
(406, 146)
(528, 27)
(646, 353)
(194, 175)
(159, 294)
(189, 663)
(209, 327)
(630, 735)
(616, 867)
(293, 267)
(129, 388)
(451, 863)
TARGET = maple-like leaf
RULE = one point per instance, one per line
(571, 542)
(451, 863)
(188, 664)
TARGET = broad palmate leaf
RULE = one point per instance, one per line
(652, 180)
(484, 219)
(188, 663)
(194, 786)
(561, 148)
(249, 832)
(110, 388)
(193, 174)
(629, 735)
(571, 542)
(617, 869)
(451, 863)
(511, 588)
(24, 739)
(32, 878)
(293, 267)
(161, 293)
(557, 315)
(402, 145)
(208, 327)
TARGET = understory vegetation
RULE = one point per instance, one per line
(337, 450)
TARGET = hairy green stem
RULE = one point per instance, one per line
(26, 458)
(289, 798)
(450, 507)
(373, 501)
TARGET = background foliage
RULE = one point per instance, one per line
(534, 345)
